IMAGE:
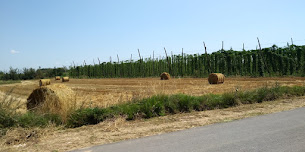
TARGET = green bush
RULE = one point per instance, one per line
(198, 103)
(228, 100)
(212, 101)
(152, 107)
(170, 104)
(297, 91)
(185, 103)
(85, 117)
(246, 97)
(6, 119)
(31, 119)
(131, 110)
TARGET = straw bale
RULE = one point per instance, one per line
(65, 79)
(56, 99)
(216, 78)
(165, 76)
(57, 78)
(44, 82)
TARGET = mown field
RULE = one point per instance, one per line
(102, 93)
(107, 92)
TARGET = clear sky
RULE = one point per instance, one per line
(54, 33)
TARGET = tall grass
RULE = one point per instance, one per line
(8, 107)
(161, 105)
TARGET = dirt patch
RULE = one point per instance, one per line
(57, 139)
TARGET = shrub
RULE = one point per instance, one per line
(85, 117)
(260, 94)
(198, 103)
(131, 110)
(170, 105)
(31, 119)
(212, 101)
(228, 100)
(246, 97)
(184, 103)
(6, 119)
(152, 107)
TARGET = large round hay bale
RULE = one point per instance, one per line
(165, 76)
(44, 82)
(57, 78)
(56, 99)
(216, 78)
(65, 79)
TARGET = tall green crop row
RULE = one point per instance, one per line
(273, 61)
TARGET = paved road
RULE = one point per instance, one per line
(284, 131)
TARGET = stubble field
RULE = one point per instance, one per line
(107, 92)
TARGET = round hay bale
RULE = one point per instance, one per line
(165, 76)
(57, 78)
(65, 79)
(216, 78)
(56, 99)
(44, 82)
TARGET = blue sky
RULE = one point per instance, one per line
(54, 33)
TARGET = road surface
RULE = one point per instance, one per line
(284, 131)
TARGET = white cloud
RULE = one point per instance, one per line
(14, 52)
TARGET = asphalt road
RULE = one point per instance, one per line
(284, 131)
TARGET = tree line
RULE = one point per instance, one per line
(271, 61)
(31, 73)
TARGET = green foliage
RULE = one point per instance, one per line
(152, 107)
(27, 120)
(6, 119)
(273, 61)
(28, 74)
(88, 116)
(131, 110)
(228, 100)
(31, 119)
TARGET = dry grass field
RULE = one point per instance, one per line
(107, 92)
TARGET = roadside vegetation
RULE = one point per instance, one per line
(158, 105)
